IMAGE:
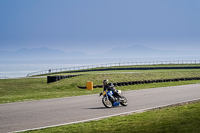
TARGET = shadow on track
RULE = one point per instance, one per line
(104, 107)
(97, 108)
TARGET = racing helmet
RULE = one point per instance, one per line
(105, 82)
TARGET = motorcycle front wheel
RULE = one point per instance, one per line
(106, 102)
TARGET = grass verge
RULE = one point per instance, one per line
(180, 119)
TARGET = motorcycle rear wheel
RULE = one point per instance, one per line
(106, 102)
(123, 101)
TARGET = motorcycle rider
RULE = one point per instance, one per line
(110, 87)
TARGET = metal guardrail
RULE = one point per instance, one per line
(49, 71)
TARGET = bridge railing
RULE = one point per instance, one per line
(49, 71)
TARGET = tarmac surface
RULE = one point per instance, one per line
(39, 114)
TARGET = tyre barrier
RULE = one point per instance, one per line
(82, 87)
(51, 79)
(145, 82)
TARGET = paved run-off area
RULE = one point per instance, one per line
(52, 112)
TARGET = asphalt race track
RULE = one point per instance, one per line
(52, 112)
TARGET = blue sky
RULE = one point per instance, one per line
(96, 26)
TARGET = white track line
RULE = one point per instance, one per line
(98, 118)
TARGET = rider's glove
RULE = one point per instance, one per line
(100, 94)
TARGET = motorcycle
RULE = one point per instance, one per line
(109, 100)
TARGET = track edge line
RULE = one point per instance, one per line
(124, 113)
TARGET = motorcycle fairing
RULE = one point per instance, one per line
(110, 93)
(115, 103)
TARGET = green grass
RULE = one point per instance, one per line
(15, 90)
(181, 119)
